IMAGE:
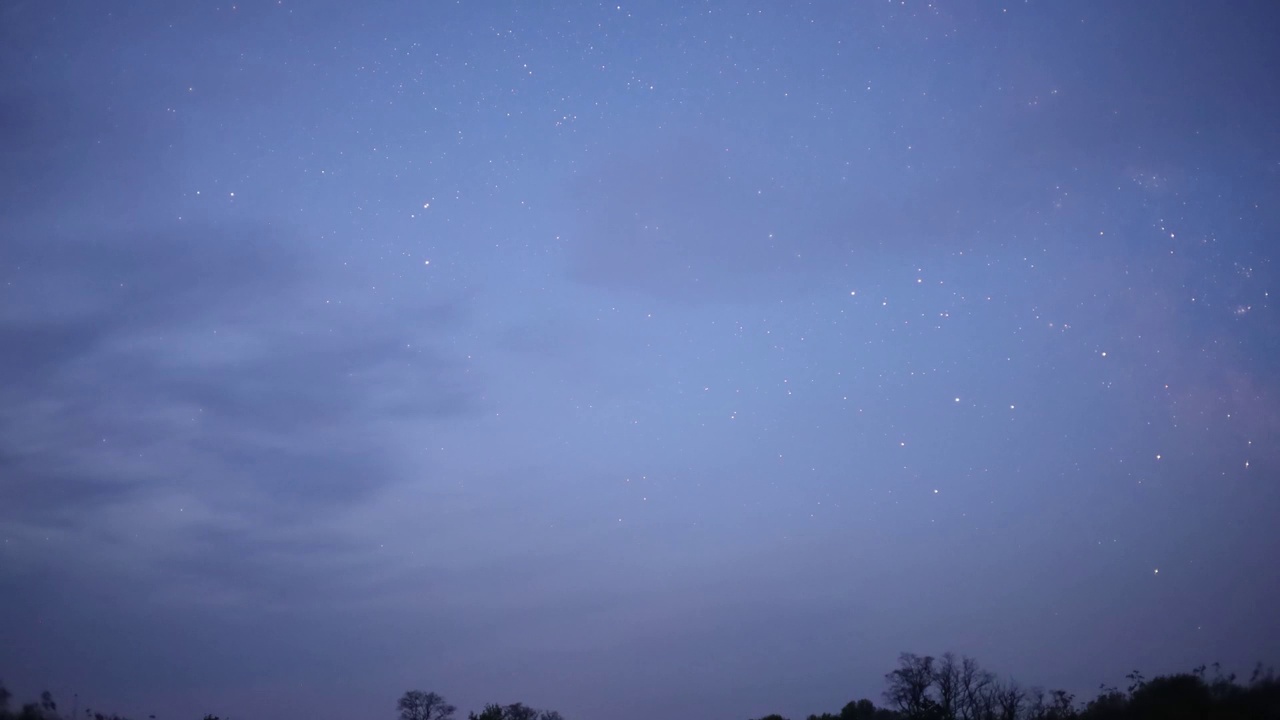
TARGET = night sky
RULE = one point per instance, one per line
(683, 360)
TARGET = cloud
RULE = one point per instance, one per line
(179, 395)
(198, 367)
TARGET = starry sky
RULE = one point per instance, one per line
(682, 359)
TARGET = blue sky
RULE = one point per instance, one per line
(680, 358)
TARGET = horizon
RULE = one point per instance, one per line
(947, 687)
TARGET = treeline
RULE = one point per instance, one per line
(46, 708)
(413, 705)
(419, 705)
(957, 688)
(920, 688)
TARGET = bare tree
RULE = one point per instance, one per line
(1037, 706)
(419, 705)
(975, 700)
(1007, 699)
(1063, 705)
(1057, 705)
(909, 686)
(946, 683)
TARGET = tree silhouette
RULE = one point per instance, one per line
(1007, 700)
(948, 687)
(419, 705)
(909, 687)
(514, 711)
(1111, 704)
(1056, 705)
(490, 712)
(974, 689)
(519, 711)
(864, 709)
(1171, 698)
